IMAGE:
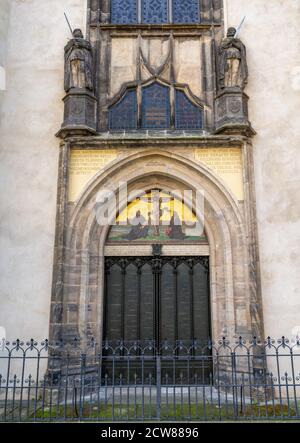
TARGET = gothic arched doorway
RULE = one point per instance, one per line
(157, 274)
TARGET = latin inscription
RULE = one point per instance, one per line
(227, 163)
(84, 164)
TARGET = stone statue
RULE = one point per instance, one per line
(233, 70)
(78, 63)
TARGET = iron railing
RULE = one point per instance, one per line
(82, 381)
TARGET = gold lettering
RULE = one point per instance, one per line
(84, 164)
(227, 164)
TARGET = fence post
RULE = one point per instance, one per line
(234, 385)
(158, 386)
(82, 385)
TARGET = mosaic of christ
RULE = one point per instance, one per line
(158, 217)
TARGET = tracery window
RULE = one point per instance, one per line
(155, 110)
(156, 107)
(155, 11)
(186, 11)
(124, 11)
(123, 115)
(187, 115)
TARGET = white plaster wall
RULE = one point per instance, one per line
(32, 36)
(4, 23)
(272, 36)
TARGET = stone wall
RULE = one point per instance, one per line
(4, 26)
(35, 32)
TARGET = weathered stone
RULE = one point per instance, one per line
(231, 113)
(232, 62)
(78, 63)
(80, 114)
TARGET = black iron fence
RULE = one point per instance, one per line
(137, 382)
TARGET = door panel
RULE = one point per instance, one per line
(162, 299)
(146, 304)
(157, 299)
(113, 320)
(184, 303)
(168, 303)
(201, 309)
(131, 303)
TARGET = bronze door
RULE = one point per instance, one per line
(156, 298)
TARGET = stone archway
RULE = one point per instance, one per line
(231, 280)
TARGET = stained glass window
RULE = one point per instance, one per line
(156, 107)
(155, 110)
(124, 11)
(187, 115)
(186, 11)
(155, 11)
(123, 115)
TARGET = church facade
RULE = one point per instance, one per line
(166, 207)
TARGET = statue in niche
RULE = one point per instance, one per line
(233, 70)
(78, 63)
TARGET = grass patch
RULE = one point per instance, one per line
(122, 412)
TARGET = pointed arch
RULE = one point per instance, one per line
(224, 226)
(159, 101)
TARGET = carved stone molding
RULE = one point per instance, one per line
(231, 113)
(79, 114)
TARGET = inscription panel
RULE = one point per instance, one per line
(227, 163)
(84, 164)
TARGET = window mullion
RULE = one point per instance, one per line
(139, 10)
(139, 106)
(172, 104)
(170, 11)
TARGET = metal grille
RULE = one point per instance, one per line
(155, 11)
(187, 115)
(124, 11)
(123, 115)
(88, 381)
(156, 107)
(186, 11)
